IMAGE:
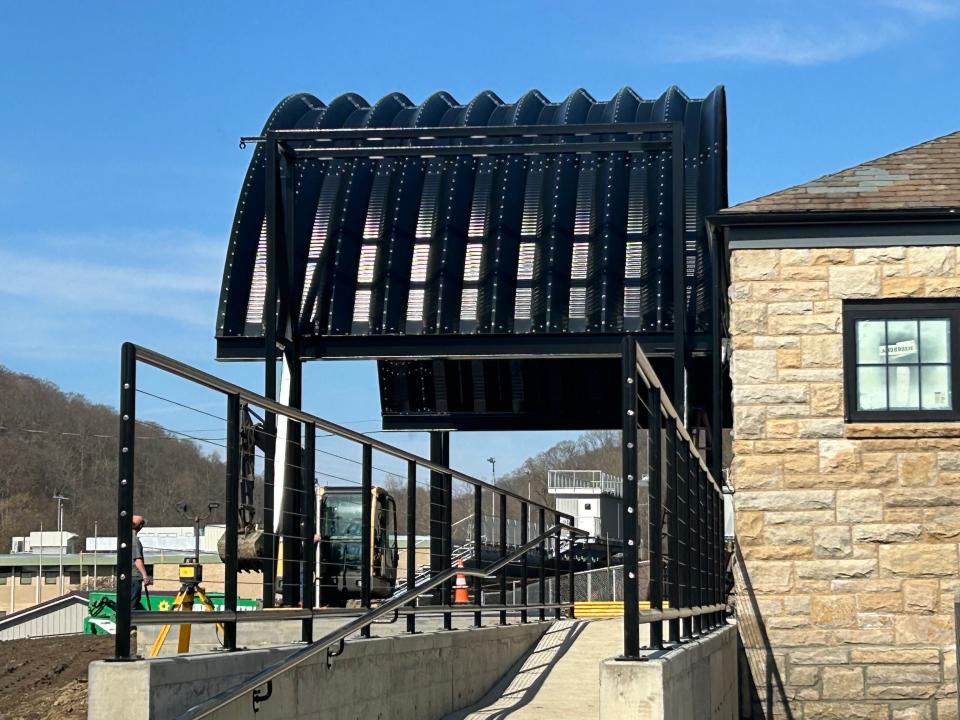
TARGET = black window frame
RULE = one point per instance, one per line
(906, 309)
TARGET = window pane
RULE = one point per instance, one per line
(870, 341)
(904, 387)
(901, 343)
(934, 341)
(871, 388)
(936, 387)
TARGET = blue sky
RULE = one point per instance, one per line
(120, 169)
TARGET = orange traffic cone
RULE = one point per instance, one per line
(460, 592)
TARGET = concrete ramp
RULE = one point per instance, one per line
(558, 678)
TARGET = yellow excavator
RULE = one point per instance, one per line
(338, 522)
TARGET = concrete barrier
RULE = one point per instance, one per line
(695, 681)
(415, 677)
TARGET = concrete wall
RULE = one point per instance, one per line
(849, 532)
(695, 681)
(408, 677)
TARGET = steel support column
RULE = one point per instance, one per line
(411, 538)
(477, 552)
(231, 530)
(502, 509)
(524, 565)
(308, 509)
(125, 471)
(655, 512)
(631, 588)
(366, 549)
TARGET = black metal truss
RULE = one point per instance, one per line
(479, 232)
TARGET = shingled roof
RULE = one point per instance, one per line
(923, 176)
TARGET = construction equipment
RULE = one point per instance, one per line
(339, 518)
(338, 521)
(250, 540)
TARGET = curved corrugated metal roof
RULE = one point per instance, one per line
(503, 244)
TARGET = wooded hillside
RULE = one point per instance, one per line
(51, 441)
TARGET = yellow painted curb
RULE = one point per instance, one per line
(606, 608)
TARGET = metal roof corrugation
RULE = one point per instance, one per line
(364, 227)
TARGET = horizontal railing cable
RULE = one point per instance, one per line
(330, 639)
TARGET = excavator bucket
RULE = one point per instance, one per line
(250, 550)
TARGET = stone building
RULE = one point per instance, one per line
(845, 319)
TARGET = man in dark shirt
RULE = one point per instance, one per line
(138, 574)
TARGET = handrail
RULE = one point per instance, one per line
(327, 641)
(187, 372)
(649, 376)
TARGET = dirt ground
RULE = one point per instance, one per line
(46, 678)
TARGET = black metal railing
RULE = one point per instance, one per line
(685, 509)
(299, 584)
(338, 636)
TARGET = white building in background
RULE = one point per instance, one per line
(592, 497)
(48, 543)
(157, 539)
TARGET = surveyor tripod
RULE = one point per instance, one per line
(189, 593)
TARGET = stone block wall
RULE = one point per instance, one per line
(848, 532)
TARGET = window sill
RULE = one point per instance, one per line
(902, 430)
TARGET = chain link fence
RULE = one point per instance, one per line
(601, 584)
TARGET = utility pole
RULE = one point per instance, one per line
(40, 571)
(96, 548)
(60, 498)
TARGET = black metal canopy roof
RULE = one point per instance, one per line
(449, 230)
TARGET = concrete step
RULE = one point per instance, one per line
(559, 678)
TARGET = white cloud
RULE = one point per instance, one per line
(822, 33)
(778, 42)
(72, 286)
(926, 9)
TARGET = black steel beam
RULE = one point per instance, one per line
(466, 347)
(411, 538)
(378, 152)
(366, 544)
(126, 471)
(308, 513)
(472, 132)
(232, 518)
(631, 588)
(655, 511)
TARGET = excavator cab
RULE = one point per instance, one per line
(339, 524)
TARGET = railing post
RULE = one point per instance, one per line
(524, 565)
(478, 552)
(693, 495)
(125, 470)
(721, 537)
(438, 455)
(556, 567)
(571, 577)
(231, 530)
(655, 510)
(502, 501)
(309, 526)
(273, 220)
(447, 537)
(366, 505)
(683, 494)
(673, 528)
(631, 588)
(542, 589)
(411, 539)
